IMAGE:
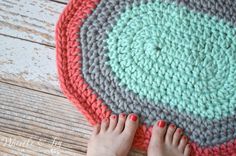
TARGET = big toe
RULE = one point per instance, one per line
(131, 125)
(158, 133)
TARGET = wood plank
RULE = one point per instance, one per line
(25, 112)
(32, 146)
(30, 20)
(31, 114)
(28, 64)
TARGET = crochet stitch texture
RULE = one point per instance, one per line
(162, 59)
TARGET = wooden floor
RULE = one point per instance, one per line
(35, 117)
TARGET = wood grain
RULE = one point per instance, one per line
(32, 146)
(32, 20)
(27, 55)
(32, 114)
(28, 64)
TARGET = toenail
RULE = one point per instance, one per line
(106, 120)
(113, 116)
(161, 123)
(133, 117)
(123, 115)
(179, 130)
(184, 137)
(172, 126)
(189, 146)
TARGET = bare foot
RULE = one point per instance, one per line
(168, 141)
(114, 137)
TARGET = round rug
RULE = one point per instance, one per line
(162, 59)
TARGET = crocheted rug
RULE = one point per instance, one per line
(162, 59)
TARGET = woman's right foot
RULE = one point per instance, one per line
(114, 136)
(168, 141)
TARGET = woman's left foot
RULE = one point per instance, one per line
(114, 137)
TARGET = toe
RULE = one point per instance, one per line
(176, 137)
(183, 143)
(121, 123)
(104, 125)
(187, 150)
(169, 134)
(113, 122)
(96, 129)
(131, 125)
(158, 133)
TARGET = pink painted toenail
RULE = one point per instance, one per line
(190, 147)
(106, 120)
(133, 117)
(184, 137)
(123, 115)
(161, 123)
(179, 130)
(172, 126)
(113, 116)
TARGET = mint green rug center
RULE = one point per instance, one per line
(171, 55)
